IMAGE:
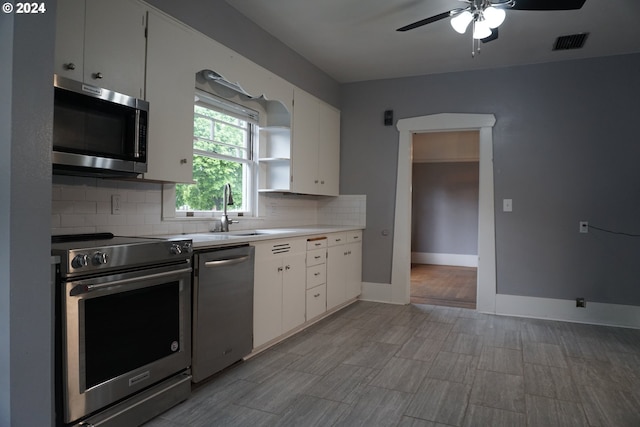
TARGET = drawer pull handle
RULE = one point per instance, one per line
(316, 295)
(317, 257)
(316, 274)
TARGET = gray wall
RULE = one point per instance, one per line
(565, 149)
(26, 310)
(444, 218)
(223, 23)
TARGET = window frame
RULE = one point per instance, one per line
(250, 164)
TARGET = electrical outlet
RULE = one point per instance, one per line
(584, 226)
(581, 303)
(507, 205)
(116, 204)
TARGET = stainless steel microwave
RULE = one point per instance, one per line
(98, 132)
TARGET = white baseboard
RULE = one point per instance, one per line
(377, 292)
(444, 259)
(594, 313)
(555, 309)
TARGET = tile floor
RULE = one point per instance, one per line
(376, 364)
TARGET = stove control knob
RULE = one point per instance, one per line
(100, 258)
(175, 249)
(80, 261)
(186, 247)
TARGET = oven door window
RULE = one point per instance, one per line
(127, 330)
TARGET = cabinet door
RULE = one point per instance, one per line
(294, 291)
(316, 146)
(329, 151)
(304, 158)
(114, 45)
(267, 300)
(354, 270)
(170, 91)
(69, 55)
(336, 275)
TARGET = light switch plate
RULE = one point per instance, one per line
(507, 205)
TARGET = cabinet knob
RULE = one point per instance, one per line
(97, 75)
(70, 66)
(288, 267)
(316, 274)
(315, 182)
(316, 295)
(183, 161)
(279, 269)
(322, 182)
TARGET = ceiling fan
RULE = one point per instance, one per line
(487, 15)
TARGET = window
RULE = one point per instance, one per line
(223, 152)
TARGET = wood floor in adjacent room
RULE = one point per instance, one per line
(444, 285)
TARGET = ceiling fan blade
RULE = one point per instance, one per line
(548, 4)
(426, 21)
(492, 37)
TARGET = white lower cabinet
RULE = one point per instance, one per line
(344, 267)
(316, 277)
(316, 301)
(279, 288)
(298, 280)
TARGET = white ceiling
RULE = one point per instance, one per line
(355, 40)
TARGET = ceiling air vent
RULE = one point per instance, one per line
(572, 41)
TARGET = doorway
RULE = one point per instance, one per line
(444, 229)
(401, 264)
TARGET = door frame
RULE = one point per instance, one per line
(401, 264)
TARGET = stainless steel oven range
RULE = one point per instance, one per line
(123, 328)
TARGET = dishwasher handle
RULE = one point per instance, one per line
(226, 262)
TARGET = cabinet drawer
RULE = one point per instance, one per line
(316, 275)
(278, 248)
(354, 236)
(316, 243)
(317, 256)
(316, 301)
(336, 239)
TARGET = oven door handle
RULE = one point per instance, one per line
(84, 288)
(225, 262)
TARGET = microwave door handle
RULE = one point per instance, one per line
(84, 288)
(136, 138)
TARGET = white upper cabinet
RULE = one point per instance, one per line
(102, 44)
(315, 146)
(69, 54)
(170, 92)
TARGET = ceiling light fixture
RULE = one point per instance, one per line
(484, 15)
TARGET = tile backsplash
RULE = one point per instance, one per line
(84, 205)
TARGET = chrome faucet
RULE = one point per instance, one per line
(227, 200)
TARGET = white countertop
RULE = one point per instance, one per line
(234, 237)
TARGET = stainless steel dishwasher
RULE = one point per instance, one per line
(222, 308)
